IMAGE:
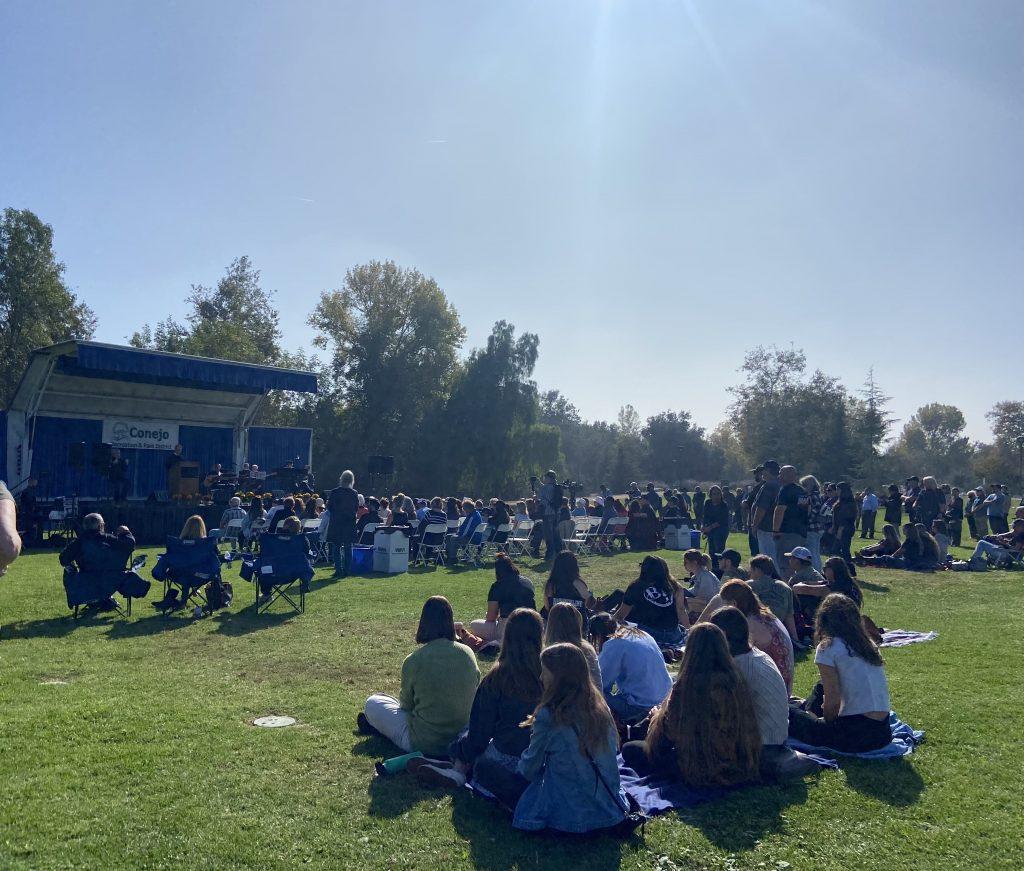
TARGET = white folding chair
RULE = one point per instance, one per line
(614, 528)
(257, 528)
(470, 550)
(497, 541)
(368, 530)
(519, 540)
(232, 533)
(577, 541)
(320, 549)
(432, 544)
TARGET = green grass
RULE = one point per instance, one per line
(143, 755)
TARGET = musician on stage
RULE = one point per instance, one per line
(117, 474)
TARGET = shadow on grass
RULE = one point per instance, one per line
(873, 587)
(52, 627)
(739, 822)
(237, 623)
(494, 844)
(151, 624)
(893, 781)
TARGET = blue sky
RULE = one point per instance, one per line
(652, 187)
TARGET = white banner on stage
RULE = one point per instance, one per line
(158, 435)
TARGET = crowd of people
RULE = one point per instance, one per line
(585, 678)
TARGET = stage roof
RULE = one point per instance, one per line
(91, 379)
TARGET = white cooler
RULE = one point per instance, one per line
(390, 550)
(677, 537)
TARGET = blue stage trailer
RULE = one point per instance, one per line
(142, 402)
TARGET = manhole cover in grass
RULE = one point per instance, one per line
(273, 722)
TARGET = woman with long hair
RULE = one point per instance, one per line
(837, 580)
(656, 603)
(194, 529)
(704, 583)
(715, 523)
(439, 682)
(931, 551)
(565, 626)
(849, 710)
(642, 528)
(889, 544)
(568, 776)
(930, 502)
(766, 630)
(509, 591)
(507, 695)
(706, 733)
(634, 677)
(564, 584)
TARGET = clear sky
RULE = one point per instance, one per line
(653, 187)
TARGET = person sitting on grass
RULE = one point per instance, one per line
(765, 629)
(769, 693)
(567, 779)
(656, 603)
(801, 569)
(439, 681)
(1001, 547)
(704, 583)
(729, 568)
(634, 678)
(917, 553)
(837, 579)
(940, 532)
(565, 584)
(509, 591)
(849, 709)
(889, 544)
(776, 594)
(507, 695)
(565, 626)
(705, 734)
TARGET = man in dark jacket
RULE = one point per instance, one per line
(342, 503)
(96, 551)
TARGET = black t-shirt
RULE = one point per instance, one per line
(766, 499)
(651, 606)
(794, 521)
(512, 593)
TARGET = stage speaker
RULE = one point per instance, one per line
(102, 456)
(381, 465)
(76, 456)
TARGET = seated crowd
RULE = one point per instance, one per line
(587, 678)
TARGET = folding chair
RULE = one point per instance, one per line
(497, 541)
(83, 589)
(519, 540)
(256, 529)
(368, 530)
(283, 562)
(317, 546)
(232, 533)
(432, 544)
(577, 540)
(614, 529)
(470, 551)
(185, 568)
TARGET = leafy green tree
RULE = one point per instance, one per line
(37, 307)
(393, 339)
(933, 443)
(236, 320)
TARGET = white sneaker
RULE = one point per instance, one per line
(443, 777)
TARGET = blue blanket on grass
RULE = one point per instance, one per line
(904, 740)
(903, 637)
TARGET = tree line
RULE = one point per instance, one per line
(388, 349)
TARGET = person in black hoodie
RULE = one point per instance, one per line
(343, 504)
(507, 695)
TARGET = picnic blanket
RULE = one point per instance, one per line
(903, 637)
(904, 740)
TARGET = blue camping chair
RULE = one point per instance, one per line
(283, 562)
(89, 587)
(185, 568)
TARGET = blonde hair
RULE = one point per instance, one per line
(929, 483)
(194, 528)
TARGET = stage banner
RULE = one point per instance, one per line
(123, 432)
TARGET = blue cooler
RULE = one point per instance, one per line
(695, 538)
(362, 559)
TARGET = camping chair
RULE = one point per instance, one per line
(431, 545)
(519, 540)
(86, 588)
(498, 540)
(185, 568)
(283, 562)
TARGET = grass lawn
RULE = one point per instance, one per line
(128, 744)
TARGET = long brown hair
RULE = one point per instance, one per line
(654, 571)
(565, 626)
(709, 716)
(839, 617)
(517, 672)
(738, 593)
(572, 699)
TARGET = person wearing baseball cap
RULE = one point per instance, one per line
(801, 568)
(729, 567)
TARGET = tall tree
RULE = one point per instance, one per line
(236, 320)
(933, 443)
(393, 339)
(37, 308)
(870, 425)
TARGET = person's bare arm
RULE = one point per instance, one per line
(10, 541)
(780, 512)
(819, 590)
(790, 625)
(622, 612)
(830, 687)
(682, 610)
(492, 612)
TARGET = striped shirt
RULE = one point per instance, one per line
(768, 693)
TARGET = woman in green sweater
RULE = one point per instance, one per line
(439, 682)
